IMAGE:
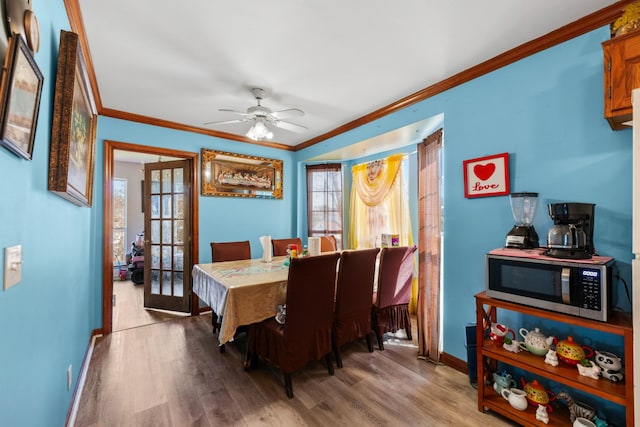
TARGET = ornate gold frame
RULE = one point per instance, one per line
(73, 132)
(238, 175)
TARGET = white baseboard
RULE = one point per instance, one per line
(80, 385)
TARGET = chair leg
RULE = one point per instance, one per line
(379, 337)
(376, 327)
(250, 361)
(329, 363)
(369, 343)
(288, 386)
(408, 331)
(338, 356)
(214, 321)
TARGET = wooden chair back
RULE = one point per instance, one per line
(230, 251)
(328, 243)
(280, 245)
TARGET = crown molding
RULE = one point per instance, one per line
(574, 29)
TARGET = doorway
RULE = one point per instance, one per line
(112, 286)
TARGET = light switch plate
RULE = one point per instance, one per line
(12, 266)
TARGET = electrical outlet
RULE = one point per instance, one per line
(69, 376)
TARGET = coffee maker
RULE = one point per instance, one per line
(523, 235)
(571, 236)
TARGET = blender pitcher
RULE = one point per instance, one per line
(523, 235)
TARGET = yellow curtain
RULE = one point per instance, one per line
(380, 205)
(373, 180)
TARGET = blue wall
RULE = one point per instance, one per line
(546, 111)
(47, 319)
(221, 218)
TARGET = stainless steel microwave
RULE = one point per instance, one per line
(577, 287)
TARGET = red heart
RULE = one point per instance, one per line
(484, 172)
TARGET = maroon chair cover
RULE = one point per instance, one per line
(306, 333)
(230, 251)
(280, 245)
(328, 243)
(390, 310)
(354, 291)
(227, 251)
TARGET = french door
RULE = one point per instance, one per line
(167, 275)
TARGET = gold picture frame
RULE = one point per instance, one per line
(22, 83)
(73, 132)
(238, 175)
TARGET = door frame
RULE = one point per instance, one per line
(107, 222)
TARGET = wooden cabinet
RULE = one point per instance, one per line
(489, 354)
(621, 76)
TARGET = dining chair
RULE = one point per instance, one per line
(227, 251)
(230, 251)
(280, 245)
(354, 290)
(390, 310)
(328, 243)
(306, 333)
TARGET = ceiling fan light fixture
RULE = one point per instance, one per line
(259, 131)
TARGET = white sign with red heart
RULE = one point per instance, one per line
(486, 176)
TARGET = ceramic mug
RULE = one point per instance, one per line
(499, 332)
(583, 422)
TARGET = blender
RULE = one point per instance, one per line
(523, 235)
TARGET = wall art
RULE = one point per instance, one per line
(73, 133)
(239, 175)
(21, 90)
(486, 176)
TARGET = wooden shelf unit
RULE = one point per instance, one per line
(488, 354)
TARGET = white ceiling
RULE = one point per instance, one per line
(338, 61)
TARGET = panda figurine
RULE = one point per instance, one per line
(610, 366)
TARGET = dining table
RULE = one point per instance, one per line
(241, 292)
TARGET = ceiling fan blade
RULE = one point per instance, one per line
(225, 122)
(234, 112)
(284, 114)
(290, 126)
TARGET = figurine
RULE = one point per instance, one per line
(576, 409)
(541, 414)
(551, 358)
(611, 366)
(511, 345)
(589, 369)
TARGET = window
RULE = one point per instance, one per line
(324, 201)
(119, 219)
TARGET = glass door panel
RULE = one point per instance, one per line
(168, 284)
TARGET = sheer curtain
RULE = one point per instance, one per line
(380, 205)
(429, 244)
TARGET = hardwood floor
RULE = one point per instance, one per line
(129, 311)
(172, 374)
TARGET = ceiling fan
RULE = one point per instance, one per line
(261, 116)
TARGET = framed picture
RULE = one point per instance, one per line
(238, 175)
(486, 176)
(21, 90)
(73, 132)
